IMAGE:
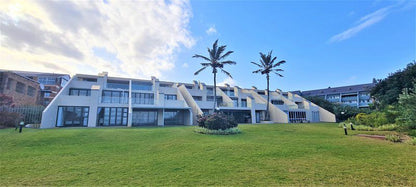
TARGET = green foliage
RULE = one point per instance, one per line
(217, 121)
(228, 131)
(387, 91)
(411, 141)
(9, 119)
(407, 108)
(374, 119)
(342, 112)
(393, 138)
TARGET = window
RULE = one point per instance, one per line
(31, 91)
(174, 117)
(86, 79)
(47, 80)
(243, 102)
(115, 96)
(277, 102)
(142, 98)
(261, 93)
(47, 94)
(112, 116)
(9, 83)
(188, 86)
(142, 86)
(210, 91)
(170, 97)
(235, 102)
(115, 84)
(79, 92)
(210, 98)
(20, 87)
(197, 98)
(165, 85)
(144, 117)
(297, 117)
(72, 116)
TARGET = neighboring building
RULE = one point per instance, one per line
(92, 101)
(354, 95)
(23, 90)
(50, 83)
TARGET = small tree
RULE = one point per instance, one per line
(407, 108)
(267, 66)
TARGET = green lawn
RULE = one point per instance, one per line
(277, 154)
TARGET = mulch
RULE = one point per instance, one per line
(372, 136)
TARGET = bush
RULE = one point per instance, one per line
(393, 138)
(412, 141)
(229, 131)
(363, 128)
(217, 121)
(389, 127)
(9, 119)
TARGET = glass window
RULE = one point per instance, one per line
(115, 84)
(31, 91)
(79, 92)
(86, 79)
(144, 117)
(142, 86)
(143, 98)
(243, 102)
(72, 116)
(197, 98)
(174, 117)
(20, 87)
(170, 97)
(112, 116)
(210, 98)
(9, 83)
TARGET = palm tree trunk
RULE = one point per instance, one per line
(215, 90)
(268, 97)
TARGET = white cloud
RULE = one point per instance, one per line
(211, 30)
(229, 81)
(59, 36)
(363, 23)
(185, 65)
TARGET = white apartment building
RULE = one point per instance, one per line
(94, 101)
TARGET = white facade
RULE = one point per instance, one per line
(93, 101)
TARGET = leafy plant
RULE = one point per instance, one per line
(9, 119)
(219, 121)
(229, 131)
(393, 138)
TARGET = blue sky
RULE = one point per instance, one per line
(300, 32)
(325, 43)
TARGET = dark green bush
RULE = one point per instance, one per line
(9, 119)
(217, 121)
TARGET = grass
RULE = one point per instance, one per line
(264, 155)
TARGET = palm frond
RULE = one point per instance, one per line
(277, 70)
(206, 64)
(279, 63)
(228, 62)
(257, 64)
(196, 73)
(220, 50)
(226, 54)
(280, 75)
(227, 73)
(257, 71)
(200, 56)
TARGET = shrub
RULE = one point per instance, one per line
(393, 138)
(363, 128)
(229, 131)
(9, 119)
(217, 121)
(388, 127)
(411, 141)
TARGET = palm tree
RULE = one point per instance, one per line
(215, 61)
(267, 66)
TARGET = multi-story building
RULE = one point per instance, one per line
(50, 84)
(23, 90)
(93, 101)
(354, 95)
